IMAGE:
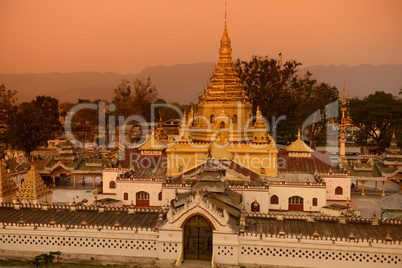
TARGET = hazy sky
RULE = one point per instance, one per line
(125, 36)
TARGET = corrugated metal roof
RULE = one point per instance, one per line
(67, 217)
(327, 228)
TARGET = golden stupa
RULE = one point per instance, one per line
(33, 189)
(222, 127)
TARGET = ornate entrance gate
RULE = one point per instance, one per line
(197, 239)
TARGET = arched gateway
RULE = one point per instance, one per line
(197, 239)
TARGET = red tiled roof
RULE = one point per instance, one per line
(301, 164)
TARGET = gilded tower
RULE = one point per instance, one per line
(222, 128)
(225, 103)
(33, 189)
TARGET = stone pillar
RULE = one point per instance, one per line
(375, 188)
(75, 181)
(383, 188)
(357, 186)
(363, 182)
(93, 182)
(54, 180)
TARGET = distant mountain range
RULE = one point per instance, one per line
(182, 83)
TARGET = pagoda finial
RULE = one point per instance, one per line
(226, 2)
(258, 110)
(32, 163)
(225, 49)
(394, 141)
(298, 134)
(343, 97)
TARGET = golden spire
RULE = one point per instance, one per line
(258, 111)
(394, 141)
(32, 163)
(226, 2)
(225, 50)
(343, 97)
(225, 84)
(259, 121)
(298, 134)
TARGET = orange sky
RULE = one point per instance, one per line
(125, 36)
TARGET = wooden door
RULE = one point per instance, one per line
(197, 239)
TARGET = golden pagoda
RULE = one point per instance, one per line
(222, 128)
(225, 98)
(33, 189)
(8, 188)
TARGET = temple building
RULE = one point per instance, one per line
(222, 139)
(70, 163)
(221, 193)
(33, 189)
(224, 120)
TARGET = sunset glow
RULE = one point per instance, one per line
(127, 36)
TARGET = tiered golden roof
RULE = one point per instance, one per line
(259, 121)
(225, 84)
(7, 184)
(33, 187)
(153, 144)
(299, 146)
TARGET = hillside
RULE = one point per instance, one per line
(361, 80)
(182, 83)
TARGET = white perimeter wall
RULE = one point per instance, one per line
(86, 241)
(316, 253)
(228, 248)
